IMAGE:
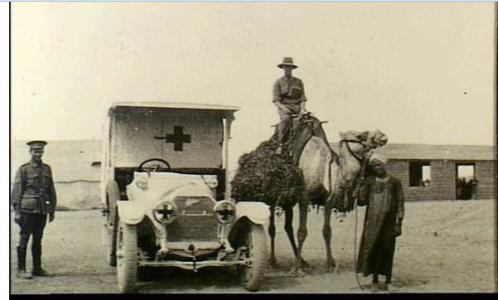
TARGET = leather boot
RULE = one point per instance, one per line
(21, 264)
(37, 269)
(383, 287)
(374, 288)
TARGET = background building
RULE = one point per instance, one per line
(443, 172)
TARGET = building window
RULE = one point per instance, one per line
(420, 173)
(466, 182)
(466, 171)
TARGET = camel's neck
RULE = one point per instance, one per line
(347, 159)
(327, 174)
(347, 168)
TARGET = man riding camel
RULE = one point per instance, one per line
(289, 97)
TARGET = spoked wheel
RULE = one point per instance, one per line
(126, 257)
(253, 243)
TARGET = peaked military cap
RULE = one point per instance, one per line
(37, 144)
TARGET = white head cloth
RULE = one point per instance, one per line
(377, 157)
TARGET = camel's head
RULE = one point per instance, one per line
(375, 139)
(361, 142)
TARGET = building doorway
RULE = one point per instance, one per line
(466, 182)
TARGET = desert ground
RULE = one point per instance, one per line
(446, 246)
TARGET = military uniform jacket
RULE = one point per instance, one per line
(289, 90)
(34, 190)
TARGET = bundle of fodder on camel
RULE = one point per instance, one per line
(276, 180)
(265, 177)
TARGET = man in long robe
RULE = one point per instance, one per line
(383, 195)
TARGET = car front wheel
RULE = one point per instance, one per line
(109, 232)
(253, 242)
(126, 257)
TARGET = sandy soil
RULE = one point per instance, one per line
(446, 246)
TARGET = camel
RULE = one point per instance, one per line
(329, 178)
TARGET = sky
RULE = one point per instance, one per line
(420, 72)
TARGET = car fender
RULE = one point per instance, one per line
(247, 213)
(256, 212)
(130, 212)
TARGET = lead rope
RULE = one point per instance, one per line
(355, 206)
(354, 244)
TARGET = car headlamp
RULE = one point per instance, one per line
(165, 212)
(225, 211)
(142, 182)
(211, 182)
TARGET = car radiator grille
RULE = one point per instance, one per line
(195, 221)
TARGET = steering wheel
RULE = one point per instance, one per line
(159, 164)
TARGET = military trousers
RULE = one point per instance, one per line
(32, 224)
(284, 127)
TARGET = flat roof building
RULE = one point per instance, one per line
(443, 172)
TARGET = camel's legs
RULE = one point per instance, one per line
(302, 232)
(271, 232)
(327, 235)
(289, 216)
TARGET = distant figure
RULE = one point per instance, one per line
(473, 187)
(289, 97)
(383, 195)
(459, 188)
(466, 189)
(427, 182)
(33, 197)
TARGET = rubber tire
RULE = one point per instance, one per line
(127, 265)
(112, 194)
(106, 241)
(111, 233)
(255, 240)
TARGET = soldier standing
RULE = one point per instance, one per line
(33, 198)
(288, 96)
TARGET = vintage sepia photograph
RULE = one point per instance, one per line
(252, 147)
